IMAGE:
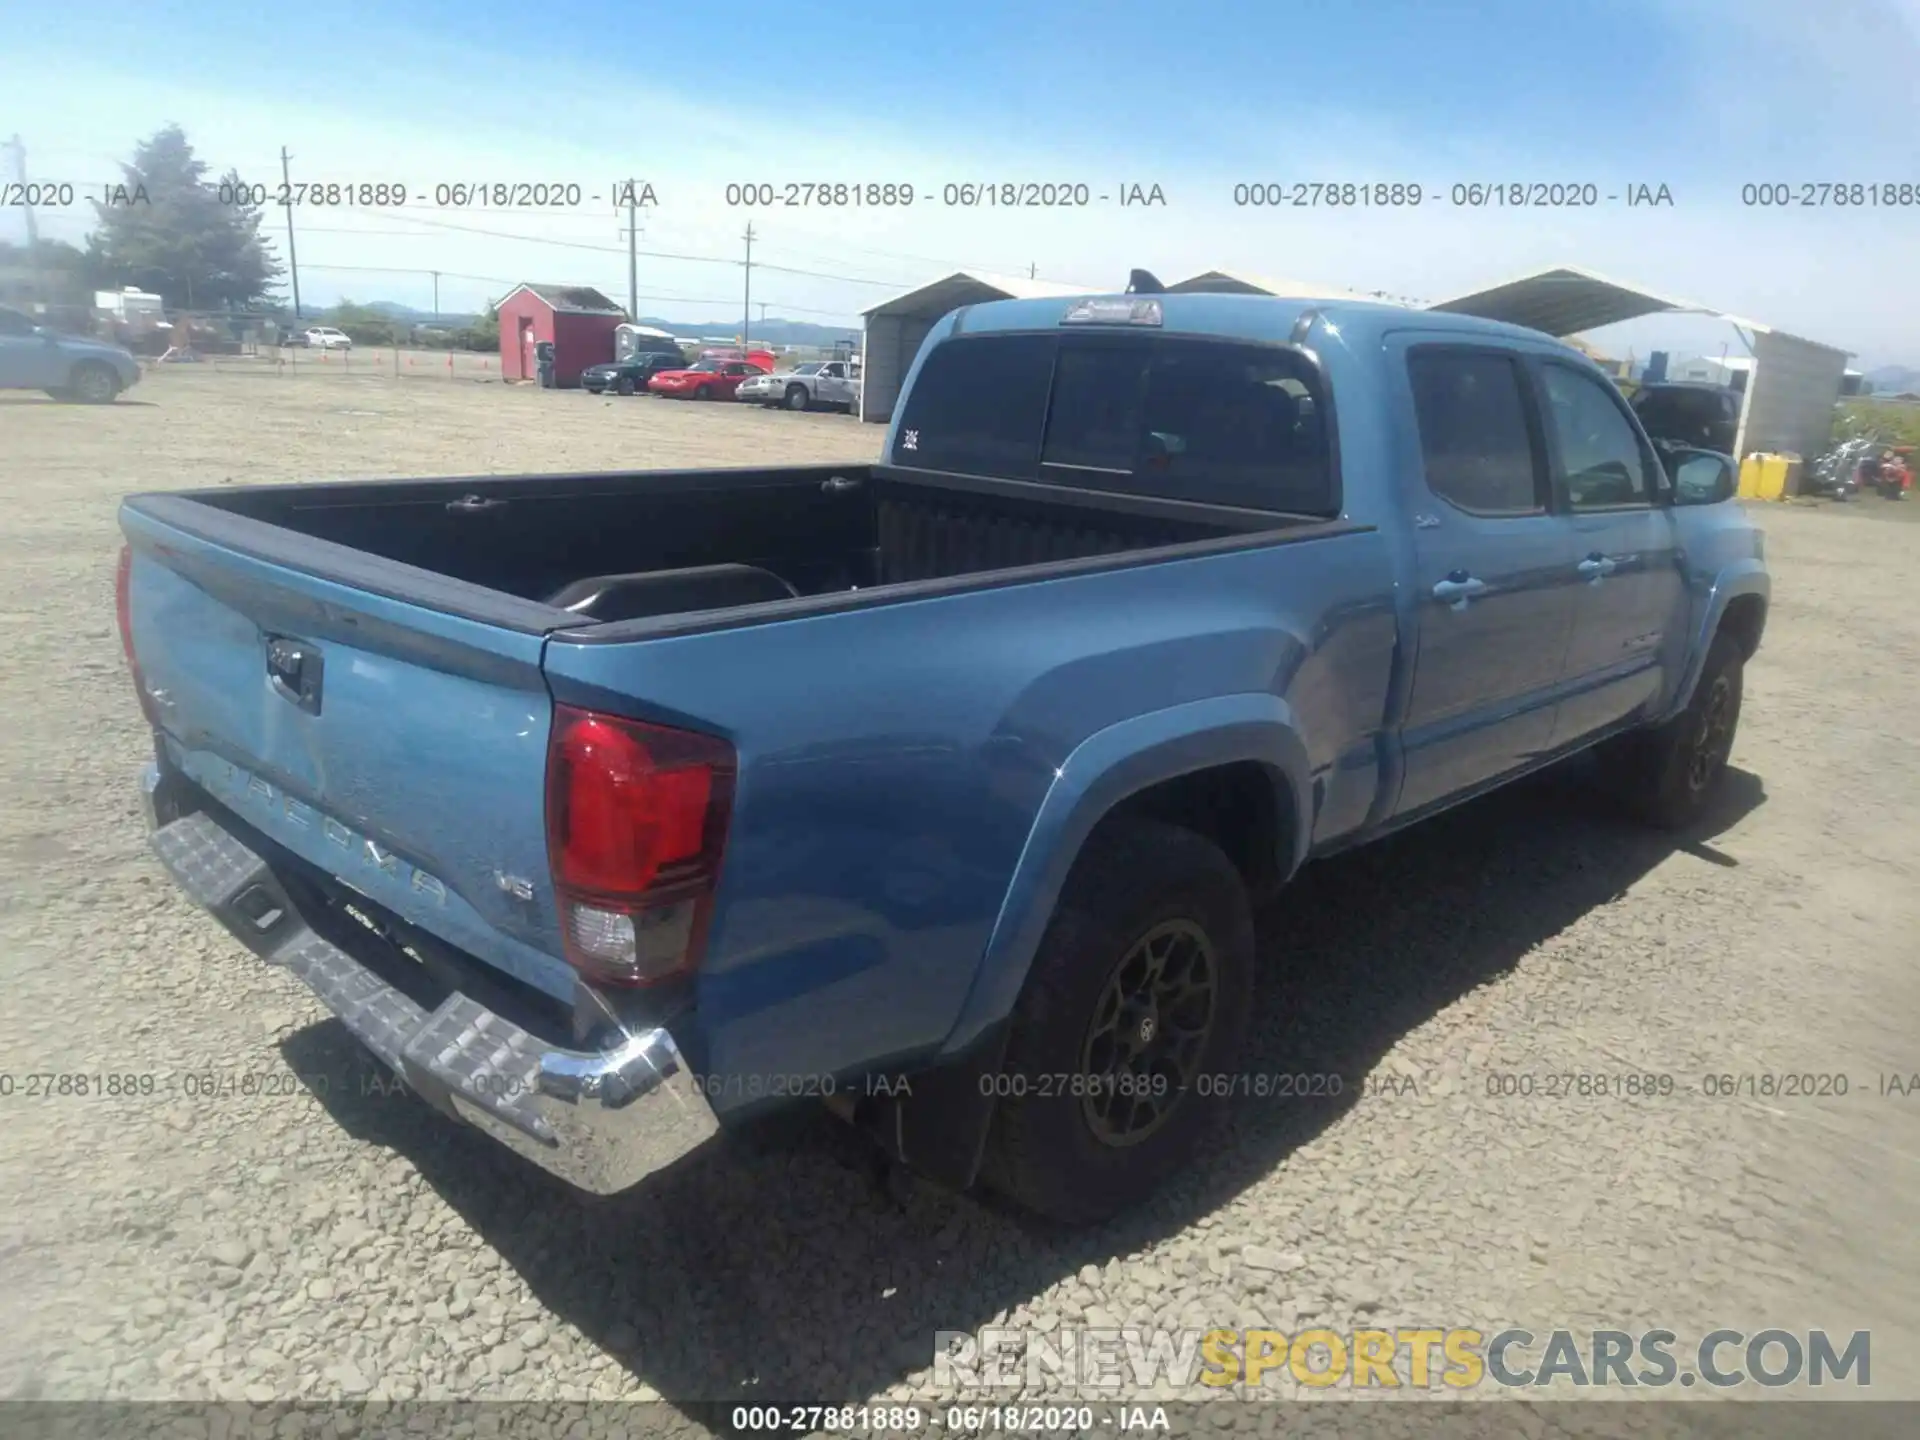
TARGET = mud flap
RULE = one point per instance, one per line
(936, 1121)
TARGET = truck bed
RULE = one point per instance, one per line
(690, 541)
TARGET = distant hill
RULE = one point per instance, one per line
(451, 319)
(1893, 379)
(772, 330)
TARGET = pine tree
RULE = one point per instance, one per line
(197, 244)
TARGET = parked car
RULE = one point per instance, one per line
(1705, 417)
(624, 377)
(704, 380)
(325, 337)
(817, 382)
(610, 813)
(67, 367)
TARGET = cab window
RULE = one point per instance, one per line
(1602, 463)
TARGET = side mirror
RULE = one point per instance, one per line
(1701, 477)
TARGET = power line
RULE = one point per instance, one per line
(616, 250)
(504, 280)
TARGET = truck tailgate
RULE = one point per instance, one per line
(400, 749)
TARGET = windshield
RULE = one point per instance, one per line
(706, 367)
(812, 367)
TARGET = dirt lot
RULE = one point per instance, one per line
(326, 1239)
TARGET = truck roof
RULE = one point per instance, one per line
(1245, 317)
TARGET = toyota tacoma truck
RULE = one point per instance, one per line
(611, 810)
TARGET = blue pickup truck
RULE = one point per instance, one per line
(609, 810)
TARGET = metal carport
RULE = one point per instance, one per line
(1245, 282)
(1789, 400)
(894, 328)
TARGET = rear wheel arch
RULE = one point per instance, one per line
(1241, 781)
(1162, 766)
(1245, 807)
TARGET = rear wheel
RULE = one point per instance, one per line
(93, 384)
(1138, 998)
(1667, 776)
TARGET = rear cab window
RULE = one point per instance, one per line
(1212, 421)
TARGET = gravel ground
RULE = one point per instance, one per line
(302, 1233)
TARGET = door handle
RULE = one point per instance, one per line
(1457, 592)
(474, 505)
(1595, 567)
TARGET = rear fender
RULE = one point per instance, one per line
(1102, 771)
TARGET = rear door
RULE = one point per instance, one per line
(399, 748)
(1631, 594)
(1494, 569)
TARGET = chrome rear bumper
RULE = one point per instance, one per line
(600, 1120)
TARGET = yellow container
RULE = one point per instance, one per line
(1766, 477)
(1774, 470)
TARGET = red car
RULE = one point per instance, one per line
(706, 380)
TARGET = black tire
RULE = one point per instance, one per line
(92, 384)
(624, 385)
(1139, 886)
(797, 398)
(1667, 776)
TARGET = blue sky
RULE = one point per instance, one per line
(1697, 95)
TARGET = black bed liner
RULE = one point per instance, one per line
(495, 548)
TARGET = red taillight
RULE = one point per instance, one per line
(123, 613)
(636, 821)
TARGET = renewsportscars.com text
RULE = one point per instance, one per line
(1455, 1358)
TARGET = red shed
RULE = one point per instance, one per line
(578, 319)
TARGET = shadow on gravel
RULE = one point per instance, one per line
(777, 1267)
(23, 398)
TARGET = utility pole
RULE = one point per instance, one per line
(746, 313)
(633, 257)
(763, 314)
(19, 149)
(436, 294)
(1032, 270)
(293, 261)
